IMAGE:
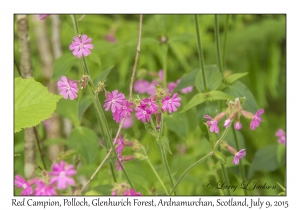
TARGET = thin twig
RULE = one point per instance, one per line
(136, 57)
(80, 19)
(39, 146)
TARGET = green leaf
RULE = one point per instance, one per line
(83, 105)
(103, 75)
(219, 95)
(187, 80)
(63, 65)
(264, 159)
(94, 57)
(149, 129)
(213, 138)
(33, 103)
(164, 142)
(280, 153)
(66, 155)
(68, 109)
(232, 78)
(213, 78)
(85, 142)
(220, 157)
(177, 123)
(197, 99)
(238, 89)
(181, 38)
(104, 189)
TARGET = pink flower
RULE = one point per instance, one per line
(114, 100)
(239, 155)
(141, 86)
(142, 114)
(281, 136)
(127, 122)
(187, 89)
(131, 192)
(237, 126)
(227, 123)
(111, 38)
(61, 174)
(120, 145)
(43, 189)
(117, 115)
(150, 105)
(256, 120)
(152, 88)
(67, 87)
(81, 46)
(171, 103)
(125, 109)
(43, 16)
(212, 123)
(118, 167)
(161, 75)
(22, 183)
(171, 86)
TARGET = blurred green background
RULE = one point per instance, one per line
(255, 44)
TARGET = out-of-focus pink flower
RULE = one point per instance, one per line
(186, 89)
(22, 183)
(111, 38)
(128, 122)
(150, 105)
(161, 75)
(141, 86)
(43, 16)
(239, 155)
(61, 174)
(237, 126)
(118, 167)
(43, 189)
(120, 145)
(142, 114)
(152, 88)
(114, 100)
(170, 104)
(212, 123)
(131, 192)
(67, 88)
(281, 136)
(227, 123)
(256, 120)
(81, 46)
(171, 86)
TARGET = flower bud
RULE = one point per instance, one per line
(128, 143)
(128, 158)
(231, 149)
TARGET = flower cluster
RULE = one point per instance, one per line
(124, 189)
(233, 113)
(143, 86)
(281, 136)
(59, 178)
(161, 101)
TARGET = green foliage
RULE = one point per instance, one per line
(213, 78)
(63, 65)
(33, 103)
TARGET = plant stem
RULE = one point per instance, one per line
(225, 176)
(162, 184)
(222, 137)
(163, 153)
(39, 146)
(225, 40)
(136, 57)
(217, 38)
(190, 168)
(242, 170)
(200, 52)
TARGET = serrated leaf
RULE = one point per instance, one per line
(68, 109)
(213, 78)
(219, 95)
(83, 105)
(103, 75)
(164, 142)
(33, 103)
(197, 99)
(187, 80)
(85, 142)
(149, 129)
(63, 65)
(232, 78)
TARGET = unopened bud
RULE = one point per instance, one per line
(83, 81)
(128, 144)
(128, 158)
